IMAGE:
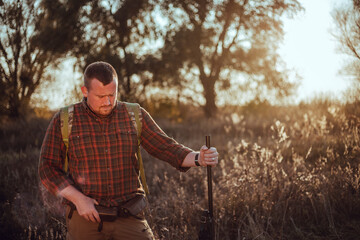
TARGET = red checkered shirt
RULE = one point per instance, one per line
(102, 154)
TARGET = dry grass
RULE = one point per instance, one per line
(285, 173)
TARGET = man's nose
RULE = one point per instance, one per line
(107, 101)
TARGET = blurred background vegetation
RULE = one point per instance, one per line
(286, 171)
(195, 49)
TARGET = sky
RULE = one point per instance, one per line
(311, 50)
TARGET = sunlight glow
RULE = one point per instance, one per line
(310, 49)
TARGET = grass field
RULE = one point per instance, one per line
(284, 173)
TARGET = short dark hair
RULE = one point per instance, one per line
(102, 71)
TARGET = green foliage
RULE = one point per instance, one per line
(27, 51)
(284, 173)
(119, 32)
(175, 44)
(215, 41)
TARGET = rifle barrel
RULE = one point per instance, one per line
(209, 175)
(210, 194)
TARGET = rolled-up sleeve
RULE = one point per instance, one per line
(52, 157)
(158, 144)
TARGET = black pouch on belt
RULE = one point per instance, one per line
(135, 206)
(107, 214)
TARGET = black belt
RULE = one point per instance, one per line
(109, 214)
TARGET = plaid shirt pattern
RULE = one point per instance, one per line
(102, 154)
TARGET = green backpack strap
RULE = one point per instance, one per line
(66, 118)
(134, 113)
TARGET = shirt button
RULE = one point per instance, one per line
(106, 150)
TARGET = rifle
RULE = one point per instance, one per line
(207, 225)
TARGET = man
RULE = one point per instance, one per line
(102, 161)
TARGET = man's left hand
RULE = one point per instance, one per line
(208, 156)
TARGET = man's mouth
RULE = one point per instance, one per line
(106, 107)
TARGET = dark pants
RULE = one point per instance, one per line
(122, 228)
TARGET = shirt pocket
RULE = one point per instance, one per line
(127, 144)
(82, 146)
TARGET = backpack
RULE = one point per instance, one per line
(133, 109)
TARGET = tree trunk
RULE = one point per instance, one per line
(14, 108)
(210, 108)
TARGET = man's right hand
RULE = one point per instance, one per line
(85, 205)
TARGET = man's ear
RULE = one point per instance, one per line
(84, 90)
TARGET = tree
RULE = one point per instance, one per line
(119, 32)
(212, 40)
(347, 20)
(27, 52)
(127, 33)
